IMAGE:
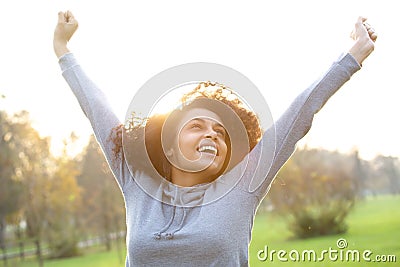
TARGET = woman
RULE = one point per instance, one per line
(201, 209)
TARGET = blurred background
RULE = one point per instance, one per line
(59, 204)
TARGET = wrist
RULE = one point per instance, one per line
(60, 47)
(361, 50)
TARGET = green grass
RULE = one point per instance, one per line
(93, 257)
(374, 224)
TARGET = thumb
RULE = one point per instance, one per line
(360, 23)
(61, 17)
(361, 19)
(359, 28)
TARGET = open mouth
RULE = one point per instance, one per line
(208, 149)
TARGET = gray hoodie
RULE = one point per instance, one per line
(189, 232)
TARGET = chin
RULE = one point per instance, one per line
(214, 170)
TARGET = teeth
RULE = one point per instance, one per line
(208, 148)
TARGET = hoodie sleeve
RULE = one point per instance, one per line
(96, 108)
(293, 125)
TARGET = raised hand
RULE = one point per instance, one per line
(364, 36)
(65, 29)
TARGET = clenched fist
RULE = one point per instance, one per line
(66, 27)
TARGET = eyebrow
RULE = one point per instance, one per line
(203, 120)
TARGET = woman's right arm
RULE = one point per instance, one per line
(91, 99)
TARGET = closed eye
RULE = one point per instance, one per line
(195, 125)
(220, 131)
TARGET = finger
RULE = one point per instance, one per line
(358, 29)
(373, 36)
(370, 30)
(360, 24)
(353, 35)
(361, 19)
(69, 16)
(367, 26)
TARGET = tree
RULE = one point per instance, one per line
(103, 209)
(34, 168)
(63, 201)
(387, 170)
(11, 190)
(316, 190)
(25, 161)
(360, 173)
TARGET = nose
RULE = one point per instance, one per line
(212, 134)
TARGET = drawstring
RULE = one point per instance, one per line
(194, 196)
(158, 234)
(171, 235)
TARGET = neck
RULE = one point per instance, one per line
(188, 179)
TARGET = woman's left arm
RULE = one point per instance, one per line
(296, 121)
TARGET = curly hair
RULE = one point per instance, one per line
(149, 130)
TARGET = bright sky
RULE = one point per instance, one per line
(282, 46)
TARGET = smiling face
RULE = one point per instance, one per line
(200, 145)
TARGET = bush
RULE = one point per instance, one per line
(64, 249)
(316, 191)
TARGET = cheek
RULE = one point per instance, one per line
(224, 149)
(186, 144)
